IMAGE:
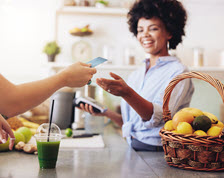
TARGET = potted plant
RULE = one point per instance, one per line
(51, 49)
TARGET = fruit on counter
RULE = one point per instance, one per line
(184, 128)
(14, 122)
(28, 124)
(194, 111)
(19, 137)
(68, 132)
(212, 117)
(169, 125)
(4, 146)
(201, 123)
(31, 125)
(214, 131)
(26, 132)
(200, 133)
(182, 116)
(27, 148)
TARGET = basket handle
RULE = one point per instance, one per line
(198, 75)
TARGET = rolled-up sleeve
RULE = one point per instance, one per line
(180, 98)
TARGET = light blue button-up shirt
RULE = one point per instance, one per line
(151, 86)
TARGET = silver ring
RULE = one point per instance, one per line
(108, 90)
(12, 138)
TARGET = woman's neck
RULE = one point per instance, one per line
(153, 60)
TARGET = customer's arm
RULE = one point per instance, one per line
(6, 131)
(17, 99)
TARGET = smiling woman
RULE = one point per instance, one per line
(155, 23)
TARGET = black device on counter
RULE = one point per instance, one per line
(97, 107)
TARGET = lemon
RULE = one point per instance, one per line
(214, 131)
(68, 132)
(174, 131)
(184, 128)
(219, 124)
(169, 125)
(200, 132)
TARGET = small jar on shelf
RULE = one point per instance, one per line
(82, 2)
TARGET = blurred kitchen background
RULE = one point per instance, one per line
(27, 25)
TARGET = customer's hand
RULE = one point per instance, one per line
(116, 87)
(77, 75)
(89, 109)
(6, 130)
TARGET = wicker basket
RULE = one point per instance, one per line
(192, 152)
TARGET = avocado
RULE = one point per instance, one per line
(201, 123)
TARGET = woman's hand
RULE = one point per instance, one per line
(89, 109)
(6, 130)
(117, 87)
(77, 75)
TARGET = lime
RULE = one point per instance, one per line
(68, 132)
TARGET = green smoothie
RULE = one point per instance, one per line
(48, 153)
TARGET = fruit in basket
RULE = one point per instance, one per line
(74, 30)
(212, 117)
(214, 131)
(182, 116)
(184, 128)
(26, 132)
(201, 123)
(169, 125)
(219, 124)
(200, 132)
(194, 111)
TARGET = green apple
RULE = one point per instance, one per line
(4, 146)
(19, 137)
(26, 132)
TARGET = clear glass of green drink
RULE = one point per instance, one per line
(48, 145)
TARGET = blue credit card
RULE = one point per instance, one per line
(95, 62)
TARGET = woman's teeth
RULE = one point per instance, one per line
(147, 42)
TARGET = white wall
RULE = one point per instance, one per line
(26, 25)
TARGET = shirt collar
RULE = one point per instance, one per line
(163, 59)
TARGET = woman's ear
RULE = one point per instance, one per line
(169, 36)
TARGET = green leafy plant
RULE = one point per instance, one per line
(52, 48)
(102, 2)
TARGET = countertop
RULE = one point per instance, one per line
(116, 160)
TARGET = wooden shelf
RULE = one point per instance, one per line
(93, 11)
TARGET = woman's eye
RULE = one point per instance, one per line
(139, 31)
(153, 29)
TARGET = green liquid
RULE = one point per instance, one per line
(47, 154)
